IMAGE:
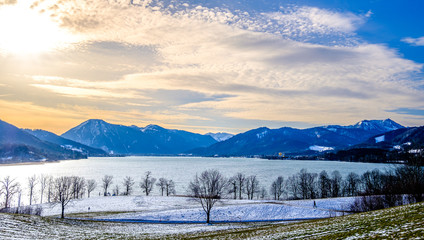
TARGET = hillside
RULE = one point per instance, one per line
(16, 145)
(66, 143)
(391, 146)
(409, 138)
(395, 223)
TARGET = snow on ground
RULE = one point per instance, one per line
(183, 209)
(236, 213)
(337, 204)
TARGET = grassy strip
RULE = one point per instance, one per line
(405, 222)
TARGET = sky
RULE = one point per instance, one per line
(211, 65)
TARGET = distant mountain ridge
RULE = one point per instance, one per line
(265, 141)
(149, 140)
(66, 143)
(16, 145)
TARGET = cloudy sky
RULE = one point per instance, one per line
(211, 65)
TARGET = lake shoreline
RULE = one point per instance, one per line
(32, 163)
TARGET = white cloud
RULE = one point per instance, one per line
(414, 41)
(307, 20)
(267, 64)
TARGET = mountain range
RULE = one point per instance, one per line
(96, 137)
(265, 141)
(149, 140)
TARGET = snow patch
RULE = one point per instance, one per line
(332, 129)
(415, 150)
(320, 148)
(262, 134)
(70, 147)
(380, 139)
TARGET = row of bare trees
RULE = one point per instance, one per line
(63, 189)
(303, 185)
(146, 184)
(58, 190)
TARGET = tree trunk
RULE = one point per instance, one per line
(240, 193)
(63, 212)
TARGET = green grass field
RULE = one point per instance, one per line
(405, 222)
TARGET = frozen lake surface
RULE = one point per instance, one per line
(180, 169)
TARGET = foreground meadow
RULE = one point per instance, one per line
(403, 222)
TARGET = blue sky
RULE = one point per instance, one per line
(209, 66)
(389, 23)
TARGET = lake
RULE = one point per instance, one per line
(180, 169)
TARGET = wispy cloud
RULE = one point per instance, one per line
(409, 111)
(414, 41)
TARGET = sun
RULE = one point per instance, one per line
(25, 31)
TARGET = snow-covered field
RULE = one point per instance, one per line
(405, 222)
(185, 210)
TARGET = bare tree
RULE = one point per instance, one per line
(9, 187)
(252, 186)
(293, 185)
(324, 183)
(312, 185)
(78, 186)
(277, 187)
(207, 189)
(19, 192)
(116, 190)
(336, 183)
(50, 188)
(63, 192)
(91, 185)
(107, 181)
(170, 187)
(43, 179)
(372, 181)
(32, 182)
(352, 184)
(232, 186)
(162, 185)
(263, 193)
(241, 179)
(411, 178)
(147, 183)
(308, 184)
(128, 185)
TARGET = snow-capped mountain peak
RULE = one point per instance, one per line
(381, 125)
(220, 136)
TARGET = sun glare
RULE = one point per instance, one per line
(25, 31)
